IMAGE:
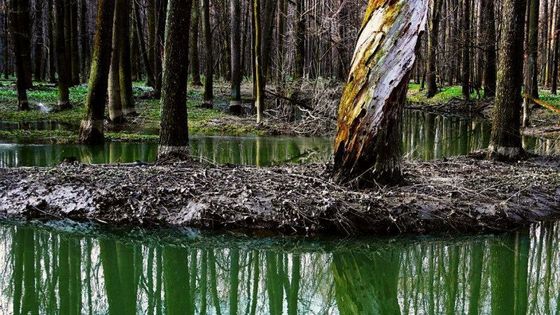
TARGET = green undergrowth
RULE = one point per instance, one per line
(143, 128)
(445, 95)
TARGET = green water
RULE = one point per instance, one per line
(67, 271)
(425, 136)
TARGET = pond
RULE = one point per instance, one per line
(425, 136)
(65, 268)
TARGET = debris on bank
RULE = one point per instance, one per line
(458, 195)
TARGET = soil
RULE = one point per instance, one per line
(459, 195)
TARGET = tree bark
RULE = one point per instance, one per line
(174, 134)
(114, 88)
(209, 77)
(144, 51)
(61, 55)
(19, 27)
(257, 55)
(75, 48)
(299, 40)
(532, 52)
(125, 66)
(195, 66)
(489, 34)
(506, 136)
(158, 48)
(235, 14)
(39, 40)
(367, 146)
(433, 44)
(91, 129)
(466, 63)
(85, 40)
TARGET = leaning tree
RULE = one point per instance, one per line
(367, 146)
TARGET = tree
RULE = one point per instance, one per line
(61, 55)
(466, 49)
(125, 67)
(91, 128)
(505, 141)
(115, 102)
(174, 134)
(38, 48)
(489, 37)
(531, 83)
(433, 46)
(367, 145)
(209, 77)
(300, 40)
(195, 67)
(258, 62)
(235, 14)
(19, 27)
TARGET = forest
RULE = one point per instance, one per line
(279, 156)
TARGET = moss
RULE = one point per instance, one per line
(142, 129)
(39, 136)
(445, 95)
(551, 99)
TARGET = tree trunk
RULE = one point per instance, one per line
(61, 55)
(75, 48)
(39, 41)
(209, 77)
(258, 60)
(19, 28)
(367, 146)
(91, 129)
(144, 51)
(85, 39)
(489, 34)
(160, 37)
(466, 71)
(532, 52)
(299, 40)
(506, 137)
(115, 105)
(151, 21)
(174, 134)
(433, 47)
(51, 50)
(555, 54)
(195, 66)
(125, 67)
(235, 14)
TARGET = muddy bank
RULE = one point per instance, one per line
(459, 195)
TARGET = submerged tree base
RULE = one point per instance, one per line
(459, 195)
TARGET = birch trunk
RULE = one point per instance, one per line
(367, 146)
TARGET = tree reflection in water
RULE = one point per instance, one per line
(55, 271)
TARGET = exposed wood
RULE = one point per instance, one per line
(367, 146)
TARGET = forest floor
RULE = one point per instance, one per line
(464, 195)
(62, 127)
(315, 107)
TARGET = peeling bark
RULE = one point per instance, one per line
(367, 145)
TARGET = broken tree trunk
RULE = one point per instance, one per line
(367, 146)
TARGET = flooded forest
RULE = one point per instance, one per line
(279, 157)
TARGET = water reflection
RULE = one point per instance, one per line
(261, 151)
(425, 136)
(428, 136)
(46, 271)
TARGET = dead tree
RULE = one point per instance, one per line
(367, 146)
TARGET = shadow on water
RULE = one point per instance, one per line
(425, 136)
(45, 271)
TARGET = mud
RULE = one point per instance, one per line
(462, 195)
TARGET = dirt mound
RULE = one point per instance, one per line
(463, 194)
